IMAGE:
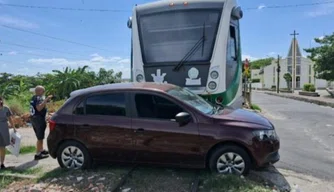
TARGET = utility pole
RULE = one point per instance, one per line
(278, 72)
(294, 34)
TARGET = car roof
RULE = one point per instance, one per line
(162, 87)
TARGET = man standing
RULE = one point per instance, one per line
(38, 112)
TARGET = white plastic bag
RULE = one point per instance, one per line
(15, 143)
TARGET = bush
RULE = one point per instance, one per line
(309, 87)
(19, 104)
(273, 87)
(54, 106)
(255, 80)
(312, 88)
(255, 107)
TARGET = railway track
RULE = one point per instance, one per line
(195, 182)
(194, 185)
(123, 180)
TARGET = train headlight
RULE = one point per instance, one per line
(212, 85)
(214, 74)
(139, 78)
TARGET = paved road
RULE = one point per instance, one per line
(306, 131)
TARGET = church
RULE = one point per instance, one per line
(299, 67)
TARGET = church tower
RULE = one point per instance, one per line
(294, 61)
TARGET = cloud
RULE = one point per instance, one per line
(272, 53)
(12, 53)
(15, 22)
(321, 10)
(4, 65)
(261, 7)
(95, 63)
(321, 37)
(251, 58)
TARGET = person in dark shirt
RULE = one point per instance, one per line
(38, 113)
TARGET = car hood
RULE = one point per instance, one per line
(244, 116)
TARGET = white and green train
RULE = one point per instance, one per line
(193, 44)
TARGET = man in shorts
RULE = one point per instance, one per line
(38, 113)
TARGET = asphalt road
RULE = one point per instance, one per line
(306, 132)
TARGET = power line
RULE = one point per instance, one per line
(291, 5)
(51, 37)
(64, 8)
(43, 49)
(118, 10)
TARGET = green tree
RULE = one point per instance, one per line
(257, 64)
(323, 57)
(288, 79)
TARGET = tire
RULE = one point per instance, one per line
(221, 155)
(81, 159)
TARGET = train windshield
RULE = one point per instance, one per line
(192, 99)
(166, 37)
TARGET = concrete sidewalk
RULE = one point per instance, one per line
(29, 137)
(322, 100)
(26, 161)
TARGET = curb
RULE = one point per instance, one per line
(323, 103)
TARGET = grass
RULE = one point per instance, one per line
(53, 174)
(6, 180)
(217, 183)
(255, 107)
(25, 150)
(143, 179)
(31, 171)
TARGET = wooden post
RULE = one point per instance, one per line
(278, 73)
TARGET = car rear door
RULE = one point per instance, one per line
(159, 139)
(103, 123)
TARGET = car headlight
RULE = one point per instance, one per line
(214, 74)
(139, 78)
(265, 134)
(212, 85)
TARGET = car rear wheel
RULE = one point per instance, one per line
(73, 155)
(230, 159)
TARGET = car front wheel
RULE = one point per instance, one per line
(73, 155)
(230, 159)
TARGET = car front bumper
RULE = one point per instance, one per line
(266, 152)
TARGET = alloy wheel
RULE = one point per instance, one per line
(230, 163)
(72, 157)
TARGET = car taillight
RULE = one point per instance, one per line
(52, 125)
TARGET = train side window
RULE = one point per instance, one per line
(233, 43)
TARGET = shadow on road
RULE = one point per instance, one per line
(271, 176)
(27, 165)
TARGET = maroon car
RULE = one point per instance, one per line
(158, 124)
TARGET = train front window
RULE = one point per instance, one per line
(166, 37)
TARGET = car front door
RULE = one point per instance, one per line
(103, 123)
(159, 138)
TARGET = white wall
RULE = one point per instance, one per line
(257, 85)
(320, 83)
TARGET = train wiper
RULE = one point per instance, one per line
(192, 51)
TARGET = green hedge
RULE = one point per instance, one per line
(309, 87)
(255, 80)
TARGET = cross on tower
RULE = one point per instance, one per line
(294, 34)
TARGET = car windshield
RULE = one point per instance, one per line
(191, 98)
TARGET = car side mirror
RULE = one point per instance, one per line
(183, 118)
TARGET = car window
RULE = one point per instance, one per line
(80, 109)
(106, 104)
(156, 107)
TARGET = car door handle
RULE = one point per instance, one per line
(139, 130)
